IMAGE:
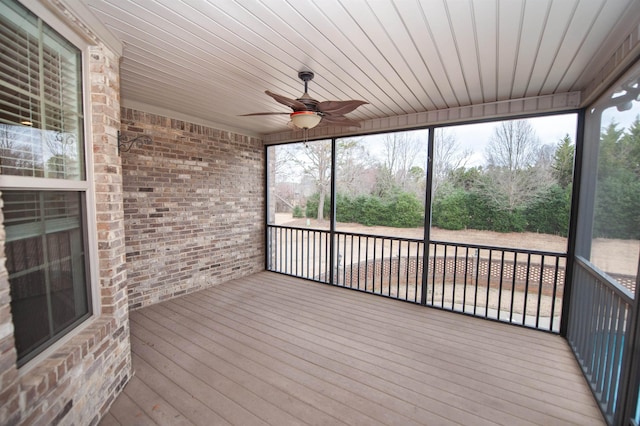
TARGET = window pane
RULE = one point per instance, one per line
(615, 247)
(40, 99)
(46, 265)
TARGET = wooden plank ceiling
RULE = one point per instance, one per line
(213, 60)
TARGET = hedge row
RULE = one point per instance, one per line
(460, 209)
(400, 210)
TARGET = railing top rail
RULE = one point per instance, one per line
(505, 249)
(298, 228)
(620, 290)
(419, 240)
(356, 234)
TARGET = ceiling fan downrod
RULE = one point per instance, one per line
(305, 76)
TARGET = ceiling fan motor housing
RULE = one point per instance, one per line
(308, 112)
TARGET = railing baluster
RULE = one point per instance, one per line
(477, 281)
(526, 290)
(359, 260)
(282, 247)
(343, 259)
(554, 293)
(406, 281)
(366, 263)
(540, 284)
(513, 284)
(455, 275)
(591, 328)
(486, 306)
(418, 278)
(287, 251)
(313, 263)
(621, 328)
(500, 284)
(603, 341)
(375, 263)
(398, 278)
(350, 263)
(611, 349)
(308, 252)
(327, 262)
(433, 273)
(444, 276)
(466, 278)
(390, 265)
(596, 327)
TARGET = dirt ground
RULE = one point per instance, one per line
(610, 255)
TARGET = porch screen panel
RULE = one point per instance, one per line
(299, 206)
(615, 243)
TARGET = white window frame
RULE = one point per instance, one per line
(87, 186)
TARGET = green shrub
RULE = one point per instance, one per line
(404, 210)
(451, 211)
(549, 213)
(297, 212)
(401, 209)
(312, 206)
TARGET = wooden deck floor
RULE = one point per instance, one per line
(271, 349)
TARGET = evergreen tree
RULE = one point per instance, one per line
(562, 167)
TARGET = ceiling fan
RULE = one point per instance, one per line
(308, 112)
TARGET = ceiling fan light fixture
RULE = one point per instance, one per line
(305, 119)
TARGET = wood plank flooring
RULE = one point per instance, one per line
(275, 350)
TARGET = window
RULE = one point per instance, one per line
(41, 136)
(45, 260)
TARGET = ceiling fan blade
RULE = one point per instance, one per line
(291, 103)
(329, 120)
(339, 107)
(265, 113)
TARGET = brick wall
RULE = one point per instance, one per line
(194, 207)
(77, 382)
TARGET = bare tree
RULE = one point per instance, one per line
(353, 161)
(314, 159)
(448, 157)
(517, 171)
(513, 146)
(311, 163)
(402, 152)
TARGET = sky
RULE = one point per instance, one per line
(475, 137)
